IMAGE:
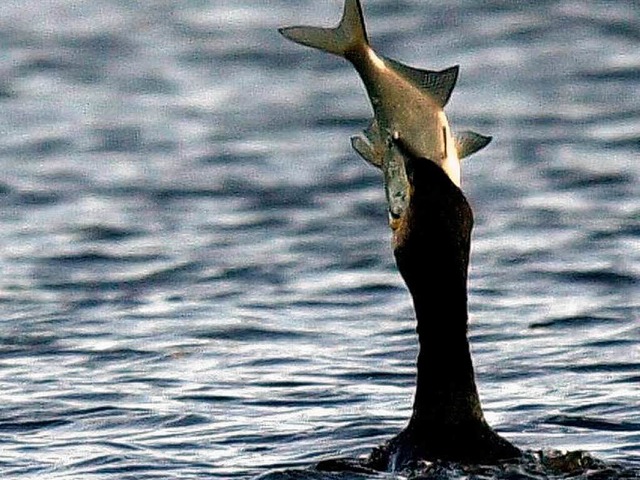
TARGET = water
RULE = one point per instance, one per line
(197, 279)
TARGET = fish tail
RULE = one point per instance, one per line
(348, 37)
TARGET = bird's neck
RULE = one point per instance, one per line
(432, 253)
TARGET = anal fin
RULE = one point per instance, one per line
(438, 84)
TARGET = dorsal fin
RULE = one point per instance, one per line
(438, 85)
(470, 142)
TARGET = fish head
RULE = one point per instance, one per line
(396, 182)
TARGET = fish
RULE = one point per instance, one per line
(405, 100)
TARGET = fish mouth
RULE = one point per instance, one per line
(395, 218)
(394, 223)
(395, 213)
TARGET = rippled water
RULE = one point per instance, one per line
(197, 280)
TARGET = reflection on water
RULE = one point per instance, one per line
(197, 276)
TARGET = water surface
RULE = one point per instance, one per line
(197, 279)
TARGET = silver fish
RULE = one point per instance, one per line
(405, 100)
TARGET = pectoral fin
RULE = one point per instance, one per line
(361, 145)
(470, 142)
(370, 146)
(438, 85)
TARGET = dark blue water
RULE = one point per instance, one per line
(197, 278)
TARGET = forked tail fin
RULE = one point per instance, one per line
(350, 35)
